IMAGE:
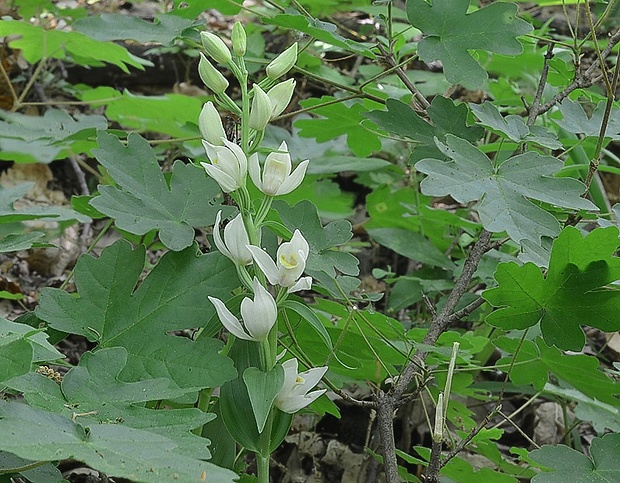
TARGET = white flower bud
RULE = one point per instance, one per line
(215, 47)
(260, 112)
(280, 96)
(210, 124)
(282, 63)
(212, 77)
(239, 40)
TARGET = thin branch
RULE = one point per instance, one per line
(403, 77)
(385, 425)
(541, 86)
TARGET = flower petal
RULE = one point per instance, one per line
(228, 320)
(226, 182)
(254, 168)
(304, 283)
(265, 263)
(219, 243)
(294, 179)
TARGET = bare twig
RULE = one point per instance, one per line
(531, 119)
(421, 100)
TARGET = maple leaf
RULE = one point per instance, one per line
(575, 291)
(112, 312)
(450, 32)
(503, 188)
(145, 202)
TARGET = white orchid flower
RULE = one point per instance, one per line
(229, 165)
(233, 246)
(210, 124)
(258, 315)
(277, 178)
(291, 263)
(294, 394)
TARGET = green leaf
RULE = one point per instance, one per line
(101, 370)
(306, 313)
(115, 26)
(319, 30)
(514, 126)
(113, 312)
(193, 8)
(263, 387)
(46, 473)
(536, 359)
(15, 242)
(145, 202)
(446, 116)
(9, 214)
(173, 114)
(450, 32)
(15, 357)
(337, 120)
(411, 245)
(42, 350)
(304, 217)
(36, 42)
(115, 449)
(575, 120)
(566, 464)
(503, 188)
(575, 291)
(55, 135)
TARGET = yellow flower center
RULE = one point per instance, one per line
(290, 262)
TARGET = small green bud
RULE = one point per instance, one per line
(215, 47)
(239, 40)
(212, 77)
(282, 63)
(260, 112)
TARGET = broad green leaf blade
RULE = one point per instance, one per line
(263, 387)
(10, 214)
(536, 359)
(566, 464)
(111, 311)
(575, 120)
(575, 291)
(116, 26)
(446, 117)
(101, 370)
(42, 139)
(115, 449)
(15, 357)
(337, 120)
(310, 316)
(15, 242)
(37, 42)
(323, 31)
(450, 32)
(43, 351)
(322, 239)
(514, 126)
(46, 473)
(145, 202)
(411, 245)
(503, 190)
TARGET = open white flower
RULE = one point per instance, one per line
(277, 178)
(259, 315)
(294, 394)
(210, 124)
(229, 165)
(291, 263)
(233, 246)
